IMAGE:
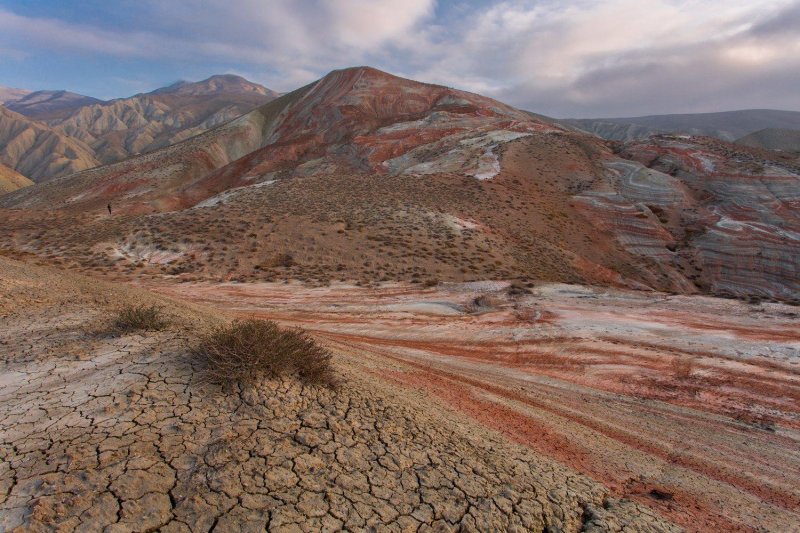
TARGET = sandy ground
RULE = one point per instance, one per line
(103, 432)
(687, 405)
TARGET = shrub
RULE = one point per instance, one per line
(249, 350)
(139, 317)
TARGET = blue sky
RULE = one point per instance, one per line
(562, 58)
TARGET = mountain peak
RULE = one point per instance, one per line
(217, 84)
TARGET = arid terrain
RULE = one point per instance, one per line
(121, 433)
(531, 328)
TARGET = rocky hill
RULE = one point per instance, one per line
(363, 175)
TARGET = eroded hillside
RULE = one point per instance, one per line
(366, 176)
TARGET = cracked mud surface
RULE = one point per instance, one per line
(592, 378)
(103, 433)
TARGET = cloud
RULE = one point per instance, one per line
(565, 58)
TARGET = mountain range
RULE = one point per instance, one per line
(366, 176)
(47, 134)
(728, 125)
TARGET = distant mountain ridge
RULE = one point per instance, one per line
(10, 94)
(50, 105)
(103, 132)
(773, 139)
(726, 125)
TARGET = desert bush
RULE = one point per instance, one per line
(246, 351)
(139, 317)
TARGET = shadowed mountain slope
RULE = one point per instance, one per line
(11, 180)
(363, 175)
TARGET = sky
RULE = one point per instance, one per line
(571, 58)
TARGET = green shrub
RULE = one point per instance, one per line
(249, 350)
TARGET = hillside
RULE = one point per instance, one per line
(145, 122)
(365, 176)
(39, 152)
(67, 132)
(728, 125)
(11, 180)
(773, 139)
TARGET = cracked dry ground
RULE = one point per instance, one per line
(106, 433)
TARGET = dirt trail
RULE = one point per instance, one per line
(105, 433)
(688, 405)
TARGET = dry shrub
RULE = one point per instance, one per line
(139, 317)
(246, 351)
(682, 367)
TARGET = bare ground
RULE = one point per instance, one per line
(688, 405)
(101, 432)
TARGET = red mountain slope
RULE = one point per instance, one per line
(363, 175)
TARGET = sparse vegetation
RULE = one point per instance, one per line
(141, 317)
(245, 351)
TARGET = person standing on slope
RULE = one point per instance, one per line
(109, 209)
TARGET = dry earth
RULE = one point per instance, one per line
(121, 433)
(688, 405)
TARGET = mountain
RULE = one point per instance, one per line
(366, 176)
(773, 139)
(49, 105)
(224, 84)
(145, 122)
(37, 151)
(68, 132)
(9, 94)
(11, 180)
(728, 125)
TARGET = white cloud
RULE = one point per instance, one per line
(577, 57)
